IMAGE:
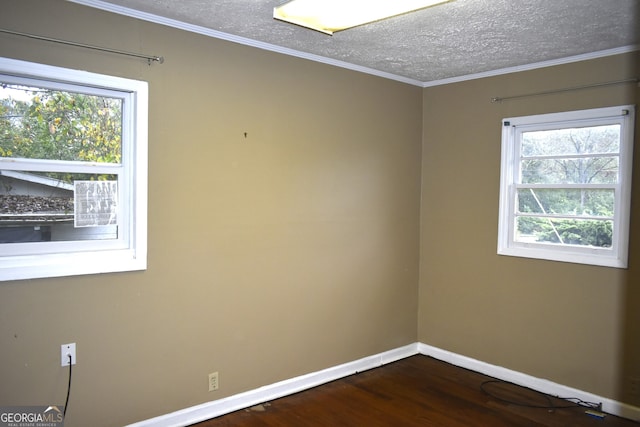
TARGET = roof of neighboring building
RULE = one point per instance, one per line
(18, 209)
(37, 179)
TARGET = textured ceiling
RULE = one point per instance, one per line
(449, 41)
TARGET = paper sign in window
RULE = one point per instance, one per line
(96, 203)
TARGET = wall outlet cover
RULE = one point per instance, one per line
(65, 351)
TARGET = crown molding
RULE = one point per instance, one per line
(536, 65)
(149, 17)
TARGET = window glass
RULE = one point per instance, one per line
(72, 131)
(562, 142)
(40, 123)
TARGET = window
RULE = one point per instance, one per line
(566, 186)
(73, 172)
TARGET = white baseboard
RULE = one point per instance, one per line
(216, 408)
(609, 406)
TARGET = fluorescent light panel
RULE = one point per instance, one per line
(329, 16)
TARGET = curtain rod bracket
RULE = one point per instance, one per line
(158, 59)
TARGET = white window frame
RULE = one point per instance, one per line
(512, 128)
(129, 251)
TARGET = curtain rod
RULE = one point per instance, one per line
(617, 82)
(149, 58)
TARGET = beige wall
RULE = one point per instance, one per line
(297, 248)
(271, 256)
(573, 324)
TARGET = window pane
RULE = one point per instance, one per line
(41, 207)
(571, 141)
(566, 201)
(39, 123)
(584, 170)
(564, 231)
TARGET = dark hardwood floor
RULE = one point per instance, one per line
(417, 391)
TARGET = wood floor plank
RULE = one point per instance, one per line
(416, 391)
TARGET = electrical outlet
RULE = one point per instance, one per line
(65, 351)
(213, 381)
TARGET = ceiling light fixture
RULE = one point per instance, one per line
(329, 16)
